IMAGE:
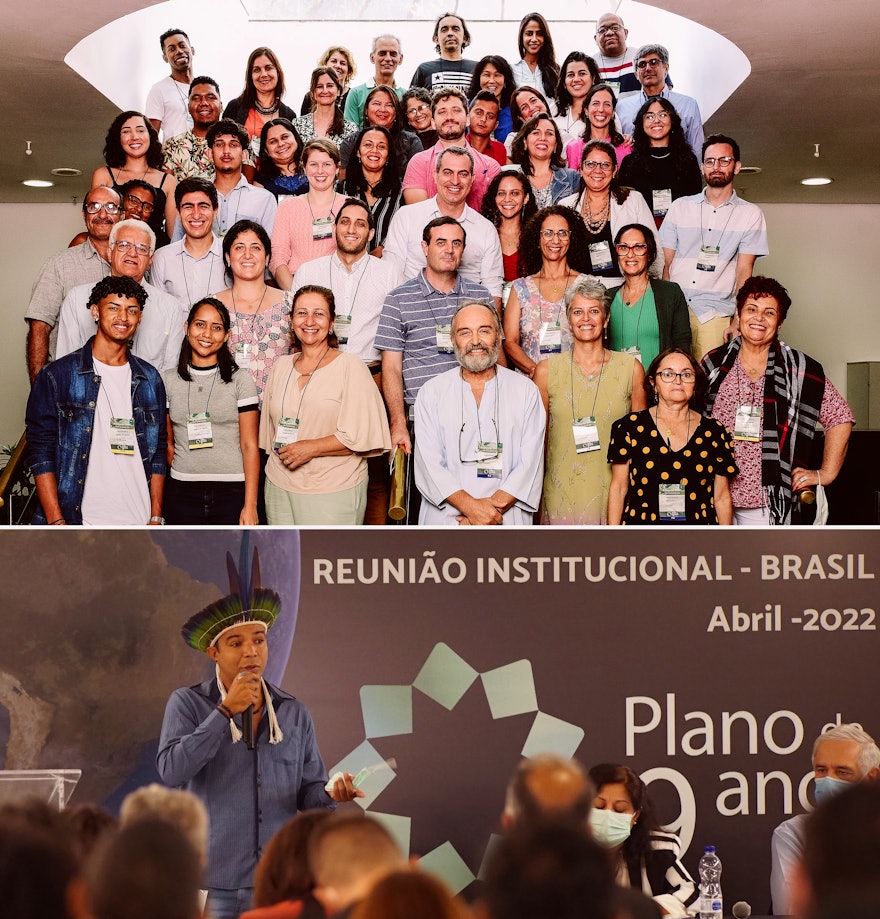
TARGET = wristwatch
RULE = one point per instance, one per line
(159, 520)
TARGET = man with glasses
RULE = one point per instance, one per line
(479, 450)
(386, 57)
(710, 243)
(101, 463)
(82, 264)
(160, 333)
(652, 69)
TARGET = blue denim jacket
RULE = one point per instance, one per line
(565, 182)
(60, 417)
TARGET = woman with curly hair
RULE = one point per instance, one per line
(662, 165)
(645, 857)
(132, 151)
(537, 66)
(537, 150)
(493, 73)
(553, 252)
(509, 204)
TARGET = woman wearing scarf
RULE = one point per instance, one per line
(770, 397)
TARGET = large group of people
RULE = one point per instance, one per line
(564, 197)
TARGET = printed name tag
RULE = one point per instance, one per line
(342, 328)
(550, 338)
(444, 338)
(199, 433)
(671, 502)
(243, 353)
(600, 255)
(322, 227)
(708, 260)
(747, 423)
(286, 433)
(488, 460)
(661, 200)
(122, 436)
(586, 434)
(635, 351)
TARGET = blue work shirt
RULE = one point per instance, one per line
(249, 794)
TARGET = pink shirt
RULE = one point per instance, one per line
(575, 149)
(420, 173)
(292, 239)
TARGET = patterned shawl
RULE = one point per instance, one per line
(794, 385)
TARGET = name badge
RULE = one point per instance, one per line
(635, 351)
(122, 436)
(286, 433)
(550, 338)
(322, 227)
(443, 334)
(600, 255)
(671, 502)
(199, 433)
(255, 147)
(586, 434)
(615, 87)
(747, 423)
(662, 201)
(342, 328)
(243, 353)
(488, 460)
(708, 260)
(506, 288)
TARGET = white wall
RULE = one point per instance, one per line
(825, 254)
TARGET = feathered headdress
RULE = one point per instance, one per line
(247, 604)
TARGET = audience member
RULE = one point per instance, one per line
(410, 893)
(479, 430)
(548, 787)
(166, 106)
(86, 263)
(110, 434)
(181, 809)
(88, 825)
(450, 38)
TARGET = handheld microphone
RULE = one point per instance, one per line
(247, 727)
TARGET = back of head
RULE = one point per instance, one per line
(348, 853)
(88, 824)
(842, 847)
(181, 809)
(145, 871)
(548, 786)
(36, 868)
(407, 894)
(549, 870)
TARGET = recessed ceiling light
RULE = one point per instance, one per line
(66, 172)
(818, 180)
(37, 183)
(749, 170)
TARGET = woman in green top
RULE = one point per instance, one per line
(647, 315)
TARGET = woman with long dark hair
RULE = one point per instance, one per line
(577, 76)
(325, 119)
(278, 170)
(525, 103)
(537, 150)
(537, 66)
(132, 151)
(493, 73)
(662, 165)
(213, 416)
(260, 100)
(509, 204)
(383, 109)
(374, 176)
(598, 112)
(645, 857)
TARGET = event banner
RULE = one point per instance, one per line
(434, 660)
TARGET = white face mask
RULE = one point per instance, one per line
(610, 829)
(827, 787)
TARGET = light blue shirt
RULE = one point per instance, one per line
(688, 111)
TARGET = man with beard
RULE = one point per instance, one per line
(450, 38)
(710, 242)
(82, 264)
(479, 433)
(166, 102)
(449, 110)
(157, 336)
(386, 57)
(186, 155)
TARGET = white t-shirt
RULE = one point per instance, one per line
(116, 489)
(168, 101)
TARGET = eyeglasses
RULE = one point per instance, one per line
(667, 375)
(604, 30)
(651, 117)
(596, 164)
(418, 109)
(636, 248)
(652, 62)
(561, 234)
(710, 161)
(123, 245)
(138, 204)
(92, 207)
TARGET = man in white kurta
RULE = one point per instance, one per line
(479, 433)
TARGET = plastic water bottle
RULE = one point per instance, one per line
(711, 904)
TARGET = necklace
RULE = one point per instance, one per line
(592, 374)
(266, 109)
(596, 223)
(554, 283)
(630, 300)
(668, 432)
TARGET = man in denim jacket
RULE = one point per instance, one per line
(91, 413)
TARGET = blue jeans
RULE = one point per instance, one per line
(228, 904)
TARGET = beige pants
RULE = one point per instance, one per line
(707, 335)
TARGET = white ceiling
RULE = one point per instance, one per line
(815, 80)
